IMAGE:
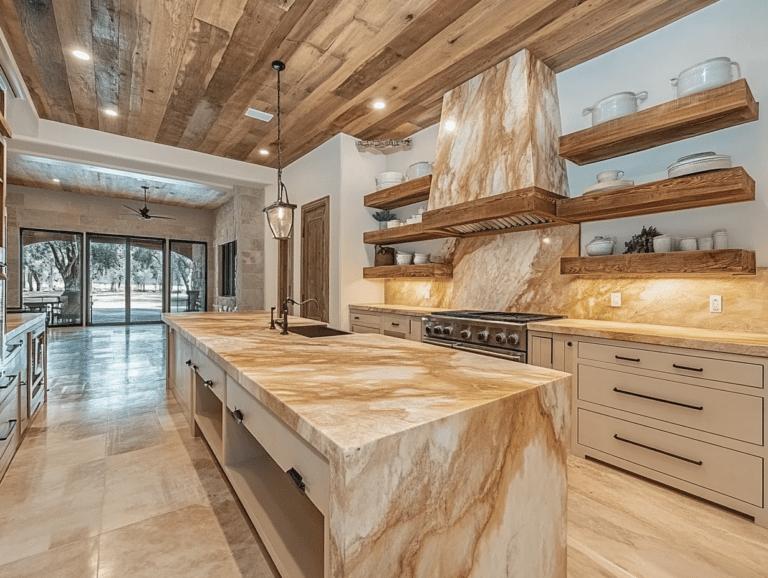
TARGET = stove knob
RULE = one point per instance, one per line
(501, 338)
(448, 330)
(513, 339)
(466, 334)
(438, 330)
(482, 336)
(427, 329)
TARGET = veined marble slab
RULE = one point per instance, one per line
(506, 137)
(443, 463)
(737, 342)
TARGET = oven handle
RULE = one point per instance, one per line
(461, 347)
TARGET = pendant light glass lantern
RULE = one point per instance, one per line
(280, 213)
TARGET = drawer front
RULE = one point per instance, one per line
(8, 450)
(365, 319)
(364, 329)
(717, 464)
(9, 422)
(13, 351)
(285, 446)
(734, 415)
(210, 372)
(698, 366)
(8, 384)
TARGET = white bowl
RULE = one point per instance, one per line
(705, 75)
(393, 223)
(404, 258)
(600, 246)
(421, 258)
(615, 106)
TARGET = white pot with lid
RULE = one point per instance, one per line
(706, 75)
(615, 106)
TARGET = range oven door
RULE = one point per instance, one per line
(518, 356)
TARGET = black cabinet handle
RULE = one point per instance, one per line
(395, 324)
(189, 363)
(297, 479)
(697, 407)
(208, 383)
(627, 359)
(12, 348)
(11, 427)
(626, 441)
(699, 369)
(570, 344)
(237, 415)
(11, 379)
(357, 318)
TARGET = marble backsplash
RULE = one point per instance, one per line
(521, 272)
(506, 135)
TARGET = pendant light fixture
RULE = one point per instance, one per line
(280, 213)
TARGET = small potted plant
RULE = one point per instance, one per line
(383, 217)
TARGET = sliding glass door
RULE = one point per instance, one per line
(188, 276)
(51, 275)
(125, 279)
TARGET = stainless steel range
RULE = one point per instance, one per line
(498, 334)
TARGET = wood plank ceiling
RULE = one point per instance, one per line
(183, 72)
(29, 171)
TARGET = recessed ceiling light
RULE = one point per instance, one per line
(110, 112)
(379, 104)
(264, 152)
(81, 55)
(259, 114)
(450, 125)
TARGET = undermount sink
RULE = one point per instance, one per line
(316, 331)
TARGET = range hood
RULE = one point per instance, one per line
(499, 169)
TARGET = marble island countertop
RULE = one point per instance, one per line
(705, 339)
(353, 389)
(16, 323)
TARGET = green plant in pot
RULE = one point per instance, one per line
(382, 217)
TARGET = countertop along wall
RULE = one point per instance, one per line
(32, 208)
(520, 271)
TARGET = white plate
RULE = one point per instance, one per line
(609, 186)
(699, 164)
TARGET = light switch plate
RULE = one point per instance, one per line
(715, 303)
(615, 299)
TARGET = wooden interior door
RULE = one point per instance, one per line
(315, 258)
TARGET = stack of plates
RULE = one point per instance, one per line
(699, 163)
(609, 186)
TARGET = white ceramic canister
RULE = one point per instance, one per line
(662, 244)
(720, 239)
(705, 243)
(688, 244)
(706, 75)
(615, 106)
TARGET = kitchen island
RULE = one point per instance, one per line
(361, 455)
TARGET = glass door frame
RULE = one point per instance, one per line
(170, 273)
(83, 269)
(87, 272)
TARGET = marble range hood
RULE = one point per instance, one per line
(499, 169)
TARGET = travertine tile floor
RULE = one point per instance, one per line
(109, 483)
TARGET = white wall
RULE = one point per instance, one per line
(732, 28)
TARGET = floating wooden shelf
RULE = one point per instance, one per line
(529, 208)
(5, 129)
(429, 271)
(700, 190)
(407, 193)
(702, 113)
(402, 234)
(721, 262)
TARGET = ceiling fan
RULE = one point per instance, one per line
(144, 213)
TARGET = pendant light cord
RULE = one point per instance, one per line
(280, 185)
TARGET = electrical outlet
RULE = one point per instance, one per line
(427, 293)
(615, 299)
(715, 303)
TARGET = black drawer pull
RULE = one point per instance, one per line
(395, 324)
(11, 427)
(189, 363)
(627, 359)
(11, 379)
(208, 383)
(237, 415)
(699, 369)
(357, 318)
(297, 479)
(626, 441)
(570, 344)
(697, 407)
(12, 348)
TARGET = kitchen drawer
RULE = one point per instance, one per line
(14, 354)
(394, 326)
(9, 422)
(725, 413)
(285, 446)
(365, 319)
(8, 448)
(8, 384)
(697, 366)
(212, 375)
(364, 329)
(714, 468)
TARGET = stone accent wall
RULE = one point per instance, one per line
(242, 220)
